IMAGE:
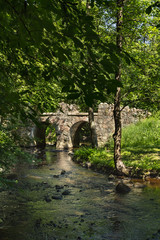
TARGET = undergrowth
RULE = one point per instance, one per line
(10, 155)
(140, 148)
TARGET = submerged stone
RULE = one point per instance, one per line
(38, 223)
(66, 192)
(59, 186)
(57, 197)
(51, 169)
(122, 188)
(56, 176)
(111, 177)
(51, 223)
(63, 172)
(47, 199)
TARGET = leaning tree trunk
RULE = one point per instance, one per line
(119, 165)
(92, 128)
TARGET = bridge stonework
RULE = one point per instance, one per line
(69, 120)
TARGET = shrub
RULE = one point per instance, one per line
(10, 153)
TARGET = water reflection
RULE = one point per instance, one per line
(61, 200)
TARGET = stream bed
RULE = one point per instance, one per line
(60, 200)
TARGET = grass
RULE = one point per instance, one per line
(100, 158)
(141, 145)
(145, 133)
(140, 148)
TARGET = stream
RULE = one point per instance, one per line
(60, 200)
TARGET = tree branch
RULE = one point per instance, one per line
(21, 20)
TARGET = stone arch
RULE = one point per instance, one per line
(75, 132)
(40, 133)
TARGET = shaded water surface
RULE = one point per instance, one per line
(61, 200)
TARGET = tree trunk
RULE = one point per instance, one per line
(119, 165)
(92, 128)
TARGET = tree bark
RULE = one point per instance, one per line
(92, 128)
(90, 110)
(119, 165)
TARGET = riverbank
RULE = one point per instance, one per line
(102, 160)
(140, 151)
(61, 200)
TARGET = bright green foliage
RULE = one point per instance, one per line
(102, 158)
(140, 148)
(44, 47)
(145, 133)
(50, 135)
(95, 62)
(142, 159)
(99, 158)
(60, 44)
(49, 46)
(22, 82)
(141, 79)
(83, 153)
(140, 70)
(5, 142)
(141, 145)
(150, 8)
(10, 153)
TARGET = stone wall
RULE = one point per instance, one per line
(68, 120)
(105, 122)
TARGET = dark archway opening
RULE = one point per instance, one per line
(81, 134)
(45, 134)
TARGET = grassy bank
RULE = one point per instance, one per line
(140, 150)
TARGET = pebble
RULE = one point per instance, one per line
(47, 199)
(79, 238)
(59, 186)
(66, 192)
(56, 176)
(111, 177)
(63, 172)
(57, 197)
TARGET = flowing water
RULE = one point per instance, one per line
(61, 200)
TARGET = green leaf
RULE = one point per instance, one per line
(107, 65)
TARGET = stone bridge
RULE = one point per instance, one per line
(69, 120)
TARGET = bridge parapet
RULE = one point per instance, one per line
(69, 120)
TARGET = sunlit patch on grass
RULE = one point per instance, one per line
(140, 148)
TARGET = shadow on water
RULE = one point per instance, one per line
(59, 199)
